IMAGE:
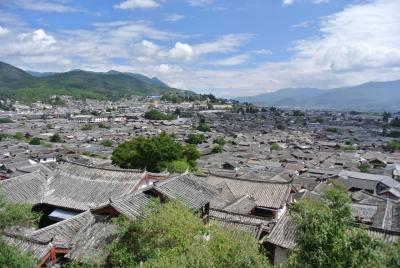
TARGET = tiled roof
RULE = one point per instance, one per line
(284, 233)
(265, 194)
(191, 190)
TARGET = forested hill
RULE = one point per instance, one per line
(17, 84)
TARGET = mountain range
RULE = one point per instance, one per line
(29, 86)
(372, 96)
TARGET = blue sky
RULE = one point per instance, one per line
(226, 47)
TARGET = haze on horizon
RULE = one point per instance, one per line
(228, 48)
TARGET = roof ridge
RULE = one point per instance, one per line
(103, 168)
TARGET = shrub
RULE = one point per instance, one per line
(19, 136)
(220, 140)
(275, 147)
(157, 115)
(4, 120)
(364, 167)
(55, 138)
(35, 141)
(195, 138)
(203, 127)
(217, 149)
(332, 129)
(393, 145)
(86, 127)
(107, 143)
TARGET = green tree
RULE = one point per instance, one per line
(153, 153)
(107, 143)
(195, 138)
(220, 140)
(393, 145)
(4, 120)
(386, 116)
(86, 127)
(55, 138)
(203, 126)
(35, 141)
(392, 255)
(18, 135)
(326, 237)
(173, 236)
(364, 167)
(11, 215)
(102, 125)
(217, 149)
(157, 115)
(275, 147)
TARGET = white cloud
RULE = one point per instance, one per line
(224, 44)
(44, 5)
(181, 51)
(360, 37)
(3, 31)
(290, 2)
(167, 69)
(231, 61)
(134, 4)
(356, 45)
(174, 17)
(200, 2)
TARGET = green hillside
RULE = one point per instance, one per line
(17, 84)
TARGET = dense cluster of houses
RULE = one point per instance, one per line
(270, 160)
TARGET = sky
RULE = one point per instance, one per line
(226, 47)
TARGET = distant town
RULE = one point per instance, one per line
(254, 164)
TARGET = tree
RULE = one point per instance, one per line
(157, 115)
(173, 236)
(275, 147)
(196, 138)
(386, 116)
(11, 215)
(86, 127)
(326, 236)
(18, 135)
(392, 255)
(4, 120)
(220, 141)
(393, 145)
(364, 167)
(203, 126)
(297, 113)
(55, 138)
(155, 153)
(107, 143)
(217, 149)
(394, 134)
(102, 125)
(395, 122)
(35, 141)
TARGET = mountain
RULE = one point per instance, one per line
(374, 96)
(19, 85)
(39, 74)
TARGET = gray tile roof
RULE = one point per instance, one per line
(284, 233)
(27, 188)
(73, 186)
(191, 190)
(90, 242)
(132, 205)
(265, 194)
